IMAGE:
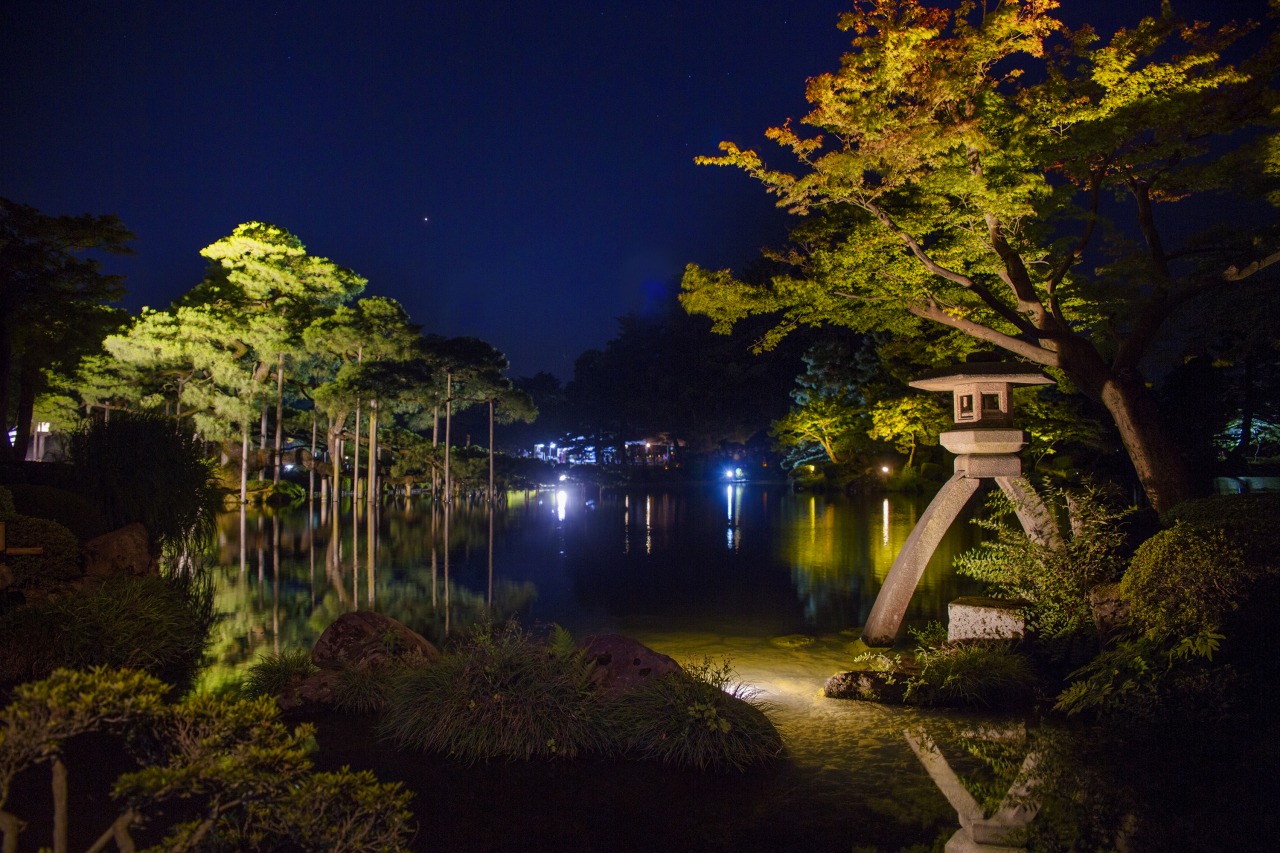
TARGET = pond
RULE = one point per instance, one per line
(776, 582)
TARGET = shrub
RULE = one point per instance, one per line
(82, 517)
(694, 718)
(142, 467)
(1252, 522)
(156, 624)
(220, 773)
(1184, 580)
(60, 561)
(6, 503)
(272, 674)
(500, 693)
(1055, 582)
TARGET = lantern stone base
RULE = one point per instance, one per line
(979, 618)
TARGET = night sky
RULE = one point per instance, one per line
(521, 172)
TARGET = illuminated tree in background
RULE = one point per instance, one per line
(53, 304)
(976, 170)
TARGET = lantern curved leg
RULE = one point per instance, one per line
(1036, 519)
(891, 604)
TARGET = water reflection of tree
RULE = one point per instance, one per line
(302, 572)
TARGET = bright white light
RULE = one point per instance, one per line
(562, 501)
(728, 473)
(564, 477)
(884, 469)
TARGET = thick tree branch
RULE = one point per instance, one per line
(932, 311)
(988, 298)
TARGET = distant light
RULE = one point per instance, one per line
(728, 473)
(564, 477)
(884, 469)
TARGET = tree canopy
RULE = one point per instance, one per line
(991, 171)
(54, 302)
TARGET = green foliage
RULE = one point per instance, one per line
(500, 693)
(272, 674)
(241, 775)
(1184, 581)
(219, 773)
(6, 502)
(44, 714)
(60, 561)
(145, 468)
(694, 718)
(1141, 677)
(1053, 581)
(157, 624)
(78, 514)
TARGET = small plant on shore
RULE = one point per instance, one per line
(272, 674)
(696, 717)
(500, 693)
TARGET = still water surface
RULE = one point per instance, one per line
(776, 582)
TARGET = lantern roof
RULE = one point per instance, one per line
(1010, 373)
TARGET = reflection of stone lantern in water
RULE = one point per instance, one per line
(986, 444)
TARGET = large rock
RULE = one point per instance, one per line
(867, 685)
(371, 639)
(619, 664)
(126, 551)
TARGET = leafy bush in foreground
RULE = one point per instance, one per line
(500, 693)
(692, 718)
(219, 774)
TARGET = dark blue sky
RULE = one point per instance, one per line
(550, 145)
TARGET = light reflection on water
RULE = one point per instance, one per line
(776, 582)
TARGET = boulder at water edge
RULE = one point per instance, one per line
(126, 551)
(369, 639)
(619, 664)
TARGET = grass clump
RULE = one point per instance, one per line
(695, 717)
(272, 674)
(500, 693)
(364, 688)
(156, 624)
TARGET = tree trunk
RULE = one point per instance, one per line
(372, 495)
(448, 448)
(26, 409)
(355, 461)
(491, 469)
(244, 463)
(311, 472)
(262, 440)
(279, 454)
(1157, 460)
(59, 806)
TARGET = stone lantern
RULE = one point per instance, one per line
(986, 444)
